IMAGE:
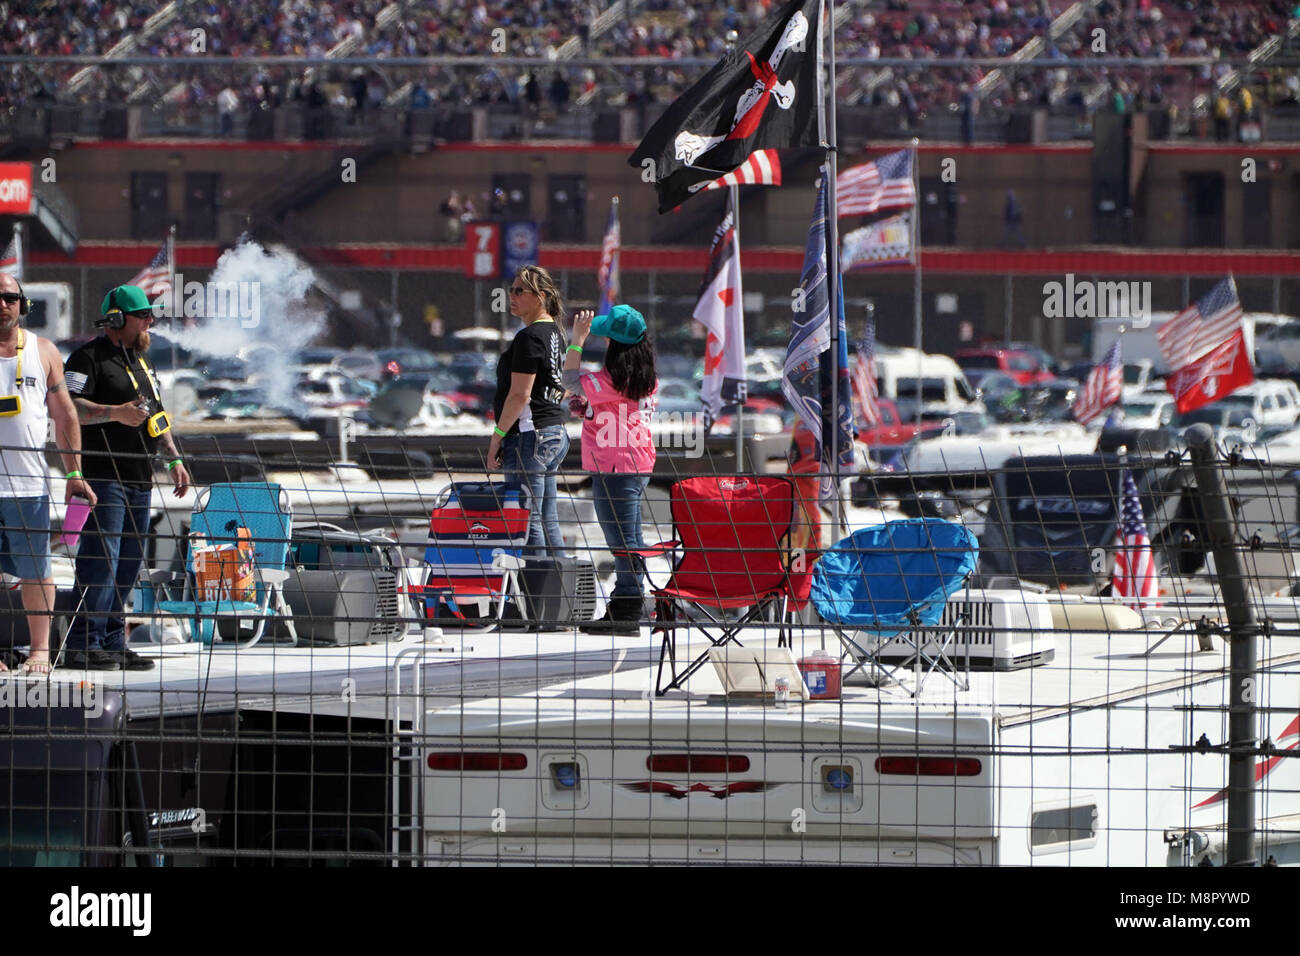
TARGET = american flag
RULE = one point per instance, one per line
(1134, 577)
(762, 168)
(885, 183)
(12, 259)
(1103, 388)
(607, 274)
(1202, 327)
(155, 278)
(866, 393)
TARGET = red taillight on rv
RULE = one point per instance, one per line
(478, 762)
(929, 766)
(696, 763)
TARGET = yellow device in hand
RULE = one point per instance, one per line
(159, 424)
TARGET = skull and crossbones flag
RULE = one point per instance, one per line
(762, 95)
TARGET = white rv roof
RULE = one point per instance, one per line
(1090, 669)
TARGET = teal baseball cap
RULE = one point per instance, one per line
(622, 323)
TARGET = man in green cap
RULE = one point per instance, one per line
(123, 426)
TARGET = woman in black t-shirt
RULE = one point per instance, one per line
(529, 441)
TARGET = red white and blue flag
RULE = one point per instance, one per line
(1104, 386)
(885, 183)
(156, 278)
(719, 310)
(1134, 578)
(866, 393)
(11, 261)
(810, 367)
(1205, 349)
(607, 274)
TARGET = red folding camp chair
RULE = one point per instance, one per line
(733, 535)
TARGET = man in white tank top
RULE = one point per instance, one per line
(31, 393)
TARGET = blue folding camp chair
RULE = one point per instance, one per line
(219, 513)
(889, 584)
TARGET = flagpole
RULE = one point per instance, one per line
(740, 407)
(18, 247)
(827, 120)
(916, 274)
(173, 294)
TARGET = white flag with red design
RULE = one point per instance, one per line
(720, 311)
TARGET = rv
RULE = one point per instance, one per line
(51, 311)
(1074, 745)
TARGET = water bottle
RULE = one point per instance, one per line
(782, 692)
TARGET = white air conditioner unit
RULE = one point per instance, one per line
(1003, 630)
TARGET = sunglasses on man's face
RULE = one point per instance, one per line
(11, 297)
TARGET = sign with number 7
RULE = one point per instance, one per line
(483, 250)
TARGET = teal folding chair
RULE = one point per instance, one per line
(219, 512)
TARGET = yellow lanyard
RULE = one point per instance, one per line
(147, 374)
(18, 371)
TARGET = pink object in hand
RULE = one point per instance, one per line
(75, 519)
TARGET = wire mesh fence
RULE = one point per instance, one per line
(373, 661)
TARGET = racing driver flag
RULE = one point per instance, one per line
(762, 95)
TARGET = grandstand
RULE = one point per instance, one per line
(228, 119)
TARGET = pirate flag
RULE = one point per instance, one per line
(763, 95)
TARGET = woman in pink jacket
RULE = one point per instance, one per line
(616, 445)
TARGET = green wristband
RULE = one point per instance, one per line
(496, 430)
(174, 462)
(74, 474)
(574, 348)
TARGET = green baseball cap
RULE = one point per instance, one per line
(622, 324)
(125, 298)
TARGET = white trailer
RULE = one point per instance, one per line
(1082, 752)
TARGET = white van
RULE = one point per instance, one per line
(943, 386)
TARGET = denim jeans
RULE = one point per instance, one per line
(532, 458)
(108, 562)
(618, 509)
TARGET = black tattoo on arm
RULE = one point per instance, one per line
(91, 413)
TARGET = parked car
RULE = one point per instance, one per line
(1020, 364)
(1149, 410)
(892, 431)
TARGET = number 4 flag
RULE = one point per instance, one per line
(1205, 349)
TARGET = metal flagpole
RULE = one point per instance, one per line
(916, 274)
(21, 264)
(827, 122)
(174, 295)
(740, 407)
(732, 38)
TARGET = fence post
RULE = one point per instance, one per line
(1242, 632)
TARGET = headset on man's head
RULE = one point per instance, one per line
(114, 318)
(24, 303)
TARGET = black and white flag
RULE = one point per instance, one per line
(762, 95)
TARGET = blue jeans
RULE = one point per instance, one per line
(532, 458)
(108, 562)
(618, 509)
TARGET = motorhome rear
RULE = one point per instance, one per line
(944, 389)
